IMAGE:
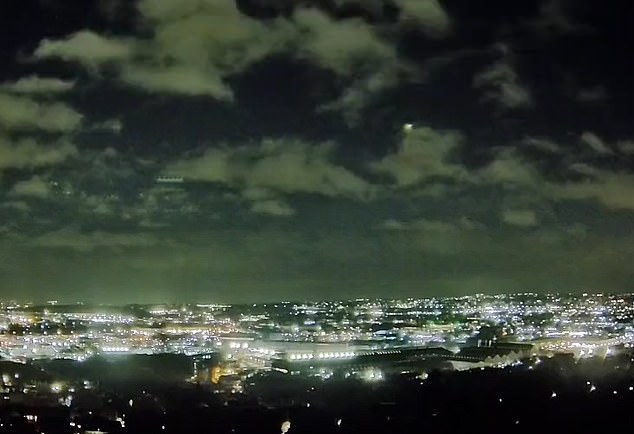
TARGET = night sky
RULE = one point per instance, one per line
(329, 148)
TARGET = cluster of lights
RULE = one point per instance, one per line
(238, 345)
(334, 355)
(115, 349)
(585, 325)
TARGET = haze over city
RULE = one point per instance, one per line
(262, 150)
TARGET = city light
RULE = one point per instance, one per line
(286, 426)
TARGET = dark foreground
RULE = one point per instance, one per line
(556, 395)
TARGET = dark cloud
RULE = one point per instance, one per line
(35, 187)
(34, 84)
(24, 113)
(30, 153)
(501, 85)
(282, 166)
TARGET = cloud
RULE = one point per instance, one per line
(257, 193)
(19, 205)
(553, 19)
(350, 48)
(195, 46)
(510, 168)
(71, 238)
(502, 86)
(360, 92)
(273, 207)
(87, 48)
(109, 125)
(115, 11)
(614, 190)
(626, 147)
(426, 225)
(29, 153)
(212, 33)
(394, 225)
(423, 153)
(595, 143)
(34, 187)
(99, 205)
(324, 260)
(340, 46)
(563, 256)
(284, 166)
(177, 80)
(519, 217)
(24, 113)
(428, 14)
(592, 94)
(447, 237)
(34, 84)
(543, 145)
(145, 64)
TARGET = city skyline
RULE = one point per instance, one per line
(586, 325)
(188, 367)
(260, 150)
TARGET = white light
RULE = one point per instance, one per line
(554, 395)
(286, 426)
(408, 127)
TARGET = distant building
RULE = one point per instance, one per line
(205, 368)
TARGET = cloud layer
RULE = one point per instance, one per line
(268, 149)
